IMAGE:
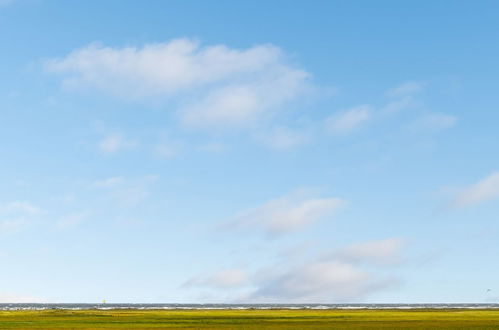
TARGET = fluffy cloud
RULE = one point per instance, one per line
(348, 120)
(224, 86)
(483, 191)
(336, 276)
(244, 103)
(317, 281)
(162, 68)
(287, 213)
(349, 274)
(402, 97)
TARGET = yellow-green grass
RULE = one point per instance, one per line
(250, 319)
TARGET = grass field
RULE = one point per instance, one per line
(250, 319)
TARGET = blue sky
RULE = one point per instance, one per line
(188, 151)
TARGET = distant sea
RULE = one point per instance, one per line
(104, 306)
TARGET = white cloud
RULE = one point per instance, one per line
(115, 142)
(283, 138)
(287, 213)
(224, 86)
(349, 274)
(407, 88)
(349, 120)
(180, 64)
(340, 276)
(435, 122)
(316, 281)
(382, 252)
(242, 104)
(483, 191)
(403, 97)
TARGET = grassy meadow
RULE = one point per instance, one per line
(250, 319)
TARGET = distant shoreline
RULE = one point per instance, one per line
(138, 306)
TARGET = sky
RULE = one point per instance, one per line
(249, 151)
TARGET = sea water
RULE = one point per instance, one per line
(104, 306)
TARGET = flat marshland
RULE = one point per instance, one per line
(250, 319)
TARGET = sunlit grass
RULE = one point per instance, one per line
(250, 319)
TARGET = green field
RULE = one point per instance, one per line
(250, 319)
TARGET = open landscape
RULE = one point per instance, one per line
(250, 319)
(252, 164)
